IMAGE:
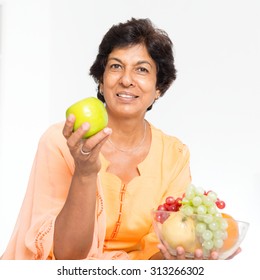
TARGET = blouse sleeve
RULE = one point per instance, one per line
(47, 190)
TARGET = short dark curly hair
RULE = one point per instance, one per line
(133, 32)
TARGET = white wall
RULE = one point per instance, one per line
(25, 98)
(213, 106)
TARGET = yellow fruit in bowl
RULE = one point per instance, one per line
(179, 230)
(232, 232)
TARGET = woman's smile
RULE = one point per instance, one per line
(126, 96)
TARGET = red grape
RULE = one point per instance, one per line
(220, 204)
(161, 208)
(170, 200)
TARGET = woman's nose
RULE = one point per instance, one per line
(127, 79)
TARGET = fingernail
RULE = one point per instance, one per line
(179, 250)
(214, 255)
(86, 126)
(107, 130)
(71, 117)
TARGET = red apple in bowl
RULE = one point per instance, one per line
(90, 110)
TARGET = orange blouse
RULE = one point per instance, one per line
(123, 228)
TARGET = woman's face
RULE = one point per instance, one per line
(129, 81)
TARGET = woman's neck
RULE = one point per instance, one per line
(127, 135)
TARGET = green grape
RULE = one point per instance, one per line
(207, 234)
(218, 215)
(187, 210)
(213, 196)
(208, 218)
(218, 234)
(189, 194)
(223, 224)
(214, 226)
(201, 209)
(208, 244)
(224, 235)
(212, 209)
(197, 200)
(218, 243)
(207, 200)
(192, 187)
(199, 191)
(200, 227)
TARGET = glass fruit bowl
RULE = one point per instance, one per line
(219, 233)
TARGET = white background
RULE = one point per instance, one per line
(213, 107)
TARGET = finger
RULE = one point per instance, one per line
(76, 138)
(95, 142)
(180, 253)
(165, 252)
(68, 127)
(198, 254)
(213, 256)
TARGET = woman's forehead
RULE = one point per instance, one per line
(133, 52)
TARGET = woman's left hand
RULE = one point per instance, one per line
(198, 254)
(180, 254)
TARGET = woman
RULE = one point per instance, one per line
(92, 199)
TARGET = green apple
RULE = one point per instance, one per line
(90, 110)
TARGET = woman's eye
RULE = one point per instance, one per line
(115, 66)
(142, 70)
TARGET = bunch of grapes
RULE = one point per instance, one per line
(210, 225)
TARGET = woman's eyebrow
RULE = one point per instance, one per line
(138, 62)
(114, 58)
(143, 62)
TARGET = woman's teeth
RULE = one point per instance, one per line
(126, 96)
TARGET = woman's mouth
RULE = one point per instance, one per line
(126, 96)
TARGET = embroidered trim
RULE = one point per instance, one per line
(118, 223)
(39, 240)
(100, 204)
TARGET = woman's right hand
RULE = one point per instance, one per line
(85, 164)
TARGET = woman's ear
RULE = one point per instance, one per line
(100, 87)
(158, 94)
